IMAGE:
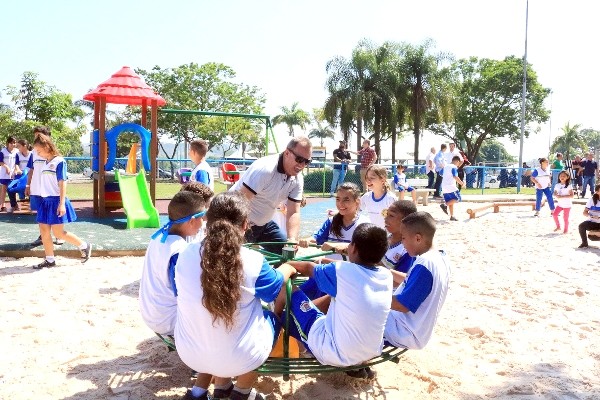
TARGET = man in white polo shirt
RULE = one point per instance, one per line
(269, 181)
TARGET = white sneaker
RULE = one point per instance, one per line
(9, 210)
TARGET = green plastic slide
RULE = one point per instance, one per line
(136, 201)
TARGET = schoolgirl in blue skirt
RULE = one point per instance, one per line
(54, 209)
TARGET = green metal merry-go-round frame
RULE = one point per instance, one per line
(286, 365)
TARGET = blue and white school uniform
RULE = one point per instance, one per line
(158, 295)
(52, 172)
(544, 179)
(23, 160)
(207, 346)
(423, 292)
(352, 330)
(36, 163)
(376, 209)
(9, 158)
(397, 258)
(326, 235)
(203, 174)
(449, 188)
(400, 183)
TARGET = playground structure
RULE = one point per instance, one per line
(124, 87)
(496, 206)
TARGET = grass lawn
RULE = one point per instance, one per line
(164, 190)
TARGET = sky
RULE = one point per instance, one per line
(282, 46)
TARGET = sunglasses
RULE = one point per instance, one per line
(299, 159)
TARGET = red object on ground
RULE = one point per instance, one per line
(125, 87)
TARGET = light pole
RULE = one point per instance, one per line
(523, 96)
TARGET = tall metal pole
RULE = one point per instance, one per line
(523, 95)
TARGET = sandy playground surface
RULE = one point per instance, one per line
(521, 321)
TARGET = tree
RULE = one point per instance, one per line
(322, 131)
(592, 138)
(487, 102)
(570, 143)
(492, 151)
(207, 87)
(423, 80)
(293, 116)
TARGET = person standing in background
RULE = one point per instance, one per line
(430, 168)
(367, 158)
(341, 158)
(440, 163)
(590, 168)
(557, 165)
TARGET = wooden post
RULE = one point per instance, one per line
(102, 159)
(153, 150)
(96, 126)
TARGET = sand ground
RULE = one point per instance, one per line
(521, 321)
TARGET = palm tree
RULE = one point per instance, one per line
(293, 116)
(570, 142)
(321, 132)
(421, 72)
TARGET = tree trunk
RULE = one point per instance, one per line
(393, 134)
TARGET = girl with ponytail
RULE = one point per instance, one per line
(222, 329)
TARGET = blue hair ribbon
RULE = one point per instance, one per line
(164, 231)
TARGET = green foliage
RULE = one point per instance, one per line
(487, 102)
(206, 87)
(322, 131)
(36, 103)
(292, 116)
(570, 143)
(494, 151)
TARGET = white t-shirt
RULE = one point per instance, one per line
(36, 163)
(326, 235)
(544, 178)
(593, 210)
(209, 347)
(377, 208)
(564, 202)
(203, 174)
(158, 304)
(451, 154)
(51, 173)
(448, 182)
(428, 161)
(23, 159)
(423, 293)
(268, 181)
(352, 330)
(9, 158)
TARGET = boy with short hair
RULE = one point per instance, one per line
(158, 294)
(401, 186)
(202, 172)
(449, 189)
(352, 330)
(418, 300)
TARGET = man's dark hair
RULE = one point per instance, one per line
(370, 242)
(420, 222)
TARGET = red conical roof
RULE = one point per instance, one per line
(125, 87)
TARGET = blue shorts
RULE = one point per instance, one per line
(403, 188)
(5, 182)
(275, 324)
(304, 314)
(34, 202)
(454, 196)
(311, 290)
(46, 211)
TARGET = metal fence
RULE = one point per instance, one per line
(317, 176)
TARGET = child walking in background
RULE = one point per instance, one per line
(338, 229)
(202, 172)
(396, 258)
(541, 178)
(401, 186)
(417, 302)
(158, 293)
(55, 209)
(379, 195)
(449, 189)
(221, 328)
(564, 193)
(8, 159)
